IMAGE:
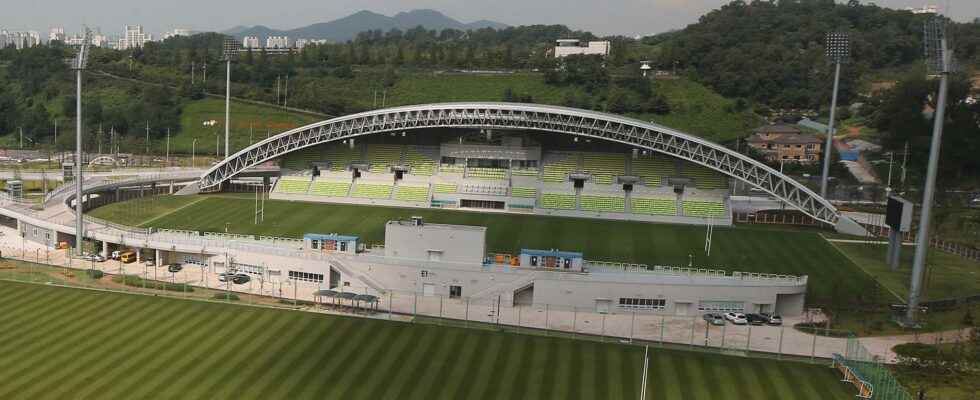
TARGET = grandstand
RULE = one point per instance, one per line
(558, 170)
(296, 185)
(705, 178)
(411, 193)
(323, 187)
(604, 167)
(383, 156)
(704, 209)
(653, 206)
(654, 171)
(371, 191)
(510, 173)
(603, 203)
(525, 192)
(558, 201)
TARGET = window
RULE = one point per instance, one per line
(315, 244)
(809, 147)
(799, 146)
(248, 269)
(194, 261)
(34, 232)
(424, 273)
(721, 306)
(305, 276)
(631, 303)
(455, 292)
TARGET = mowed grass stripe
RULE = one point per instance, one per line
(242, 344)
(326, 357)
(270, 335)
(632, 361)
(394, 362)
(339, 359)
(120, 368)
(22, 315)
(65, 351)
(516, 378)
(491, 367)
(450, 374)
(460, 379)
(344, 378)
(261, 369)
(555, 385)
(189, 336)
(298, 350)
(186, 354)
(414, 366)
(91, 365)
(442, 360)
(396, 339)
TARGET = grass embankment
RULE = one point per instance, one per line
(734, 249)
(144, 346)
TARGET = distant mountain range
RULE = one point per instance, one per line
(348, 27)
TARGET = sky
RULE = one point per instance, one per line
(626, 17)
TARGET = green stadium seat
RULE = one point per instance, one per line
(486, 173)
(558, 171)
(524, 192)
(653, 206)
(704, 209)
(558, 201)
(412, 193)
(383, 156)
(603, 203)
(302, 159)
(653, 170)
(445, 188)
(330, 188)
(419, 163)
(451, 169)
(340, 156)
(705, 178)
(297, 185)
(532, 172)
(371, 191)
(604, 167)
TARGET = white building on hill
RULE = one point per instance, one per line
(134, 37)
(250, 42)
(567, 47)
(277, 42)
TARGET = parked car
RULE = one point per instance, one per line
(714, 319)
(756, 319)
(174, 268)
(92, 257)
(150, 262)
(240, 279)
(115, 255)
(736, 318)
(772, 319)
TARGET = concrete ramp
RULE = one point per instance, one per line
(848, 226)
(193, 188)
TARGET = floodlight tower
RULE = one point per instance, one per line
(231, 47)
(939, 60)
(838, 51)
(81, 61)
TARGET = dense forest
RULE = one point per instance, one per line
(772, 52)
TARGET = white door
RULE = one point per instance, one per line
(681, 308)
(602, 306)
(428, 289)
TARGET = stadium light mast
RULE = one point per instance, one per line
(838, 51)
(230, 50)
(81, 61)
(939, 60)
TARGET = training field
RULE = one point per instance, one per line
(734, 249)
(69, 343)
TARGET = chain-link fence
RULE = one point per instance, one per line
(869, 373)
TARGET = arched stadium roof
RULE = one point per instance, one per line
(534, 117)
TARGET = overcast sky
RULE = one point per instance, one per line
(628, 17)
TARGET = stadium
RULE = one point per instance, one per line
(498, 214)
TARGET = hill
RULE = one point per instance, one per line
(348, 27)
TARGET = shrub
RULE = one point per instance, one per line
(94, 273)
(226, 296)
(136, 281)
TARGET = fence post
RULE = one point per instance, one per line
(466, 314)
(748, 339)
(632, 325)
(390, 306)
(662, 320)
(692, 332)
(546, 316)
(519, 318)
(415, 307)
(779, 349)
(813, 349)
(602, 332)
(724, 330)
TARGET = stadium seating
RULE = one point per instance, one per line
(412, 193)
(293, 185)
(330, 188)
(446, 188)
(420, 164)
(653, 206)
(603, 203)
(486, 173)
(371, 191)
(653, 170)
(383, 156)
(524, 192)
(532, 172)
(558, 201)
(604, 167)
(704, 208)
(302, 159)
(451, 169)
(340, 156)
(705, 178)
(558, 171)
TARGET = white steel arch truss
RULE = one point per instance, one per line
(584, 123)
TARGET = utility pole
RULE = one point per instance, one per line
(22, 137)
(939, 59)
(192, 73)
(56, 134)
(277, 90)
(285, 96)
(147, 138)
(838, 50)
(193, 148)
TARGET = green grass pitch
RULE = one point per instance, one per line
(69, 343)
(734, 249)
